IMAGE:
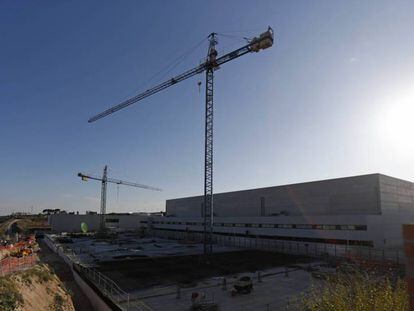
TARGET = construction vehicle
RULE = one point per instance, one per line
(243, 285)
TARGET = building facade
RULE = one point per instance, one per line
(363, 210)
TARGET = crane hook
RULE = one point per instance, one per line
(199, 86)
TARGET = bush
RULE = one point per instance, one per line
(10, 298)
(343, 292)
(58, 302)
(41, 273)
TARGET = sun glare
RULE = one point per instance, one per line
(397, 124)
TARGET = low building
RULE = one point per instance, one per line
(72, 222)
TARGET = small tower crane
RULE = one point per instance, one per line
(104, 180)
(211, 64)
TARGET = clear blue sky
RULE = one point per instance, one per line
(332, 98)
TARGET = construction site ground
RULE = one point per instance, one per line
(156, 281)
(277, 290)
(165, 273)
(138, 274)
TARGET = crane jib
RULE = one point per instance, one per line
(118, 182)
(264, 41)
(149, 92)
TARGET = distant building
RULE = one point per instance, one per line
(118, 222)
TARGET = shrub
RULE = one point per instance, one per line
(10, 298)
(41, 273)
(58, 302)
(343, 292)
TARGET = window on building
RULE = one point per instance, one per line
(112, 220)
(285, 226)
(304, 226)
(256, 225)
(268, 225)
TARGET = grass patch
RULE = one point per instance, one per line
(39, 273)
(10, 298)
(357, 291)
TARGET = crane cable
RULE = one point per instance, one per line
(166, 69)
(178, 60)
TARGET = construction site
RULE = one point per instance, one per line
(245, 250)
(134, 271)
(304, 217)
(137, 273)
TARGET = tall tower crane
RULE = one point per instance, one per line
(104, 180)
(211, 64)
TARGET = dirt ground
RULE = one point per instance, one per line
(45, 295)
(64, 273)
(187, 270)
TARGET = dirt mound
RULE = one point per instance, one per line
(40, 289)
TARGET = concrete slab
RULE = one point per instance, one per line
(275, 292)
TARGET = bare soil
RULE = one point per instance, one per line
(46, 295)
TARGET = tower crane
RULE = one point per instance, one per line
(104, 180)
(211, 64)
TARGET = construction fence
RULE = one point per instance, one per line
(317, 250)
(10, 265)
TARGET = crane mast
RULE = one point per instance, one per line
(103, 198)
(104, 181)
(208, 146)
(212, 63)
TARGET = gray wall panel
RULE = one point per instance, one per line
(351, 195)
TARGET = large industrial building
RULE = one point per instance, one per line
(361, 210)
(365, 210)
